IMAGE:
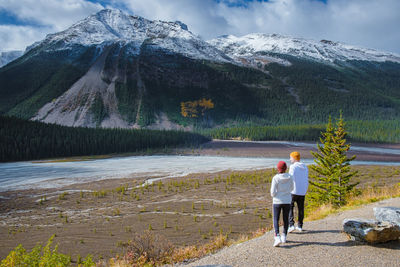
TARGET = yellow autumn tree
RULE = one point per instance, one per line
(205, 104)
(192, 109)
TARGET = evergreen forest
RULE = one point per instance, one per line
(28, 140)
(378, 131)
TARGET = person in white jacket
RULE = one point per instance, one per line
(299, 172)
(281, 186)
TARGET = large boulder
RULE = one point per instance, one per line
(371, 231)
(388, 214)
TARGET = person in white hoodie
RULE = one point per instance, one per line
(299, 171)
(281, 186)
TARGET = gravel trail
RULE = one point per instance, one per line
(320, 244)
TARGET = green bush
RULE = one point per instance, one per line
(39, 256)
(42, 257)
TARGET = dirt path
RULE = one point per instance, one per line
(321, 244)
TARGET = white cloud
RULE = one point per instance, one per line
(18, 37)
(59, 14)
(42, 17)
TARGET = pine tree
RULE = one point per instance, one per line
(331, 178)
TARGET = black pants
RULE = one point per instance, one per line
(300, 206)
(285, 213)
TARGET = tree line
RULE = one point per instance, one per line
(28, 140)
(377, 131)
(267, 133)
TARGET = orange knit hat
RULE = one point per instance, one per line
(295, 155)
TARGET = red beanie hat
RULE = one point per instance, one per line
(281, 166)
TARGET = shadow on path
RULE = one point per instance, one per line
(290, 243)
(315, 232)
(389, 245)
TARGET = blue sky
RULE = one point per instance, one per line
(366, 23)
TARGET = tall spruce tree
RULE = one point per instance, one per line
(330, 180)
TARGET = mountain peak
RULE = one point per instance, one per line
(183, 25)
(115, 26)
(328, 42)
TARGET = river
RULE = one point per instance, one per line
(29, 175)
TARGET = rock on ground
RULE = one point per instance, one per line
(388, 214)
(371, 231)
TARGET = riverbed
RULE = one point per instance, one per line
(213, 157)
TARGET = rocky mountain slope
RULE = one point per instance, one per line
(116, 70)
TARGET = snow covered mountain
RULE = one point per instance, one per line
(114, 26)
(6, 57)
(326, 51)
(112, 69)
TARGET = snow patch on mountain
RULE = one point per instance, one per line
(324, 50)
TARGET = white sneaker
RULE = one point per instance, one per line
(283, 238)
(291, 229)
(299, 229)
(277, 241)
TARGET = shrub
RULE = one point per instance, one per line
(39, 256)
(42, 257)
(63, 195)
(148, 248)
(87, 262)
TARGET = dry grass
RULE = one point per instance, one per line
(192, 252)
(140, 257)
(183, 253)
(368, 195)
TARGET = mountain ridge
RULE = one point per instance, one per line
(116, 70)
(323, 50)
(110, 26)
